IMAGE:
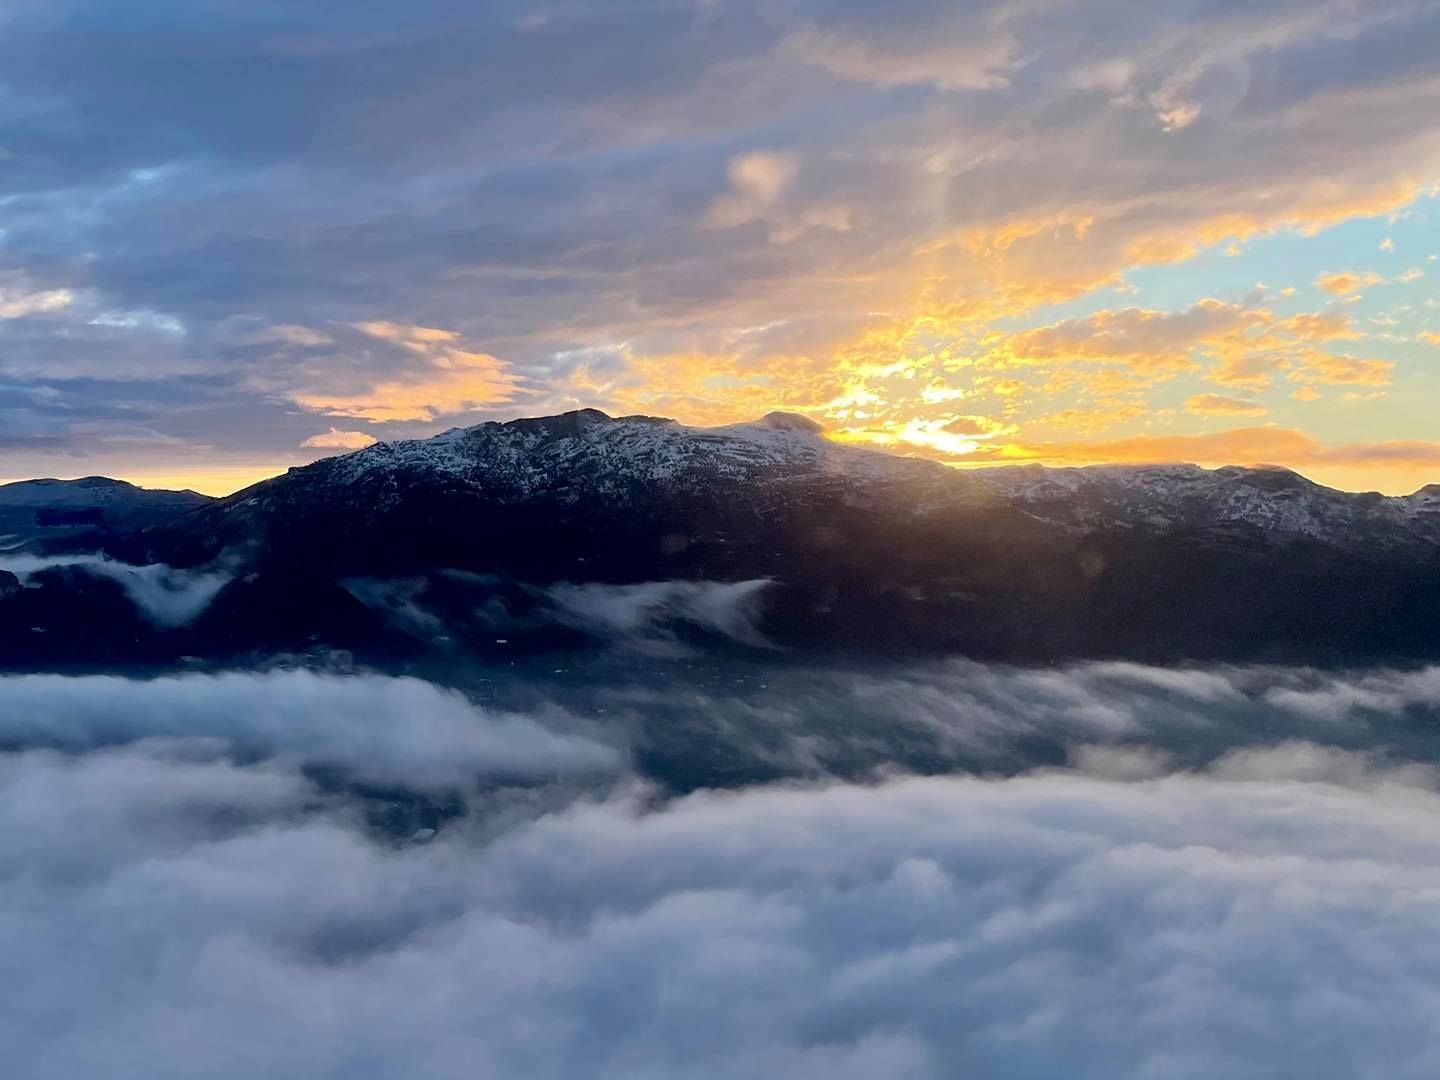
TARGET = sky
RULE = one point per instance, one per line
(238, 235)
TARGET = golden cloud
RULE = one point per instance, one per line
(1318, 366)
(446, 380)
(1144, 339)
(1219, 405)
(334, 439)
(1396, 467)
(1344, 283)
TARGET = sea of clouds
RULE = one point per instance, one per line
(193, 882)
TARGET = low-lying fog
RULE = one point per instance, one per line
(682, 868)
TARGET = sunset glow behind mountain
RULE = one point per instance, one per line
(237, 237)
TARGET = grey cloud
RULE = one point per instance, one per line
(765, 722)
(651, 618)
(646, 615)
(1339, 698)
(1306, 762)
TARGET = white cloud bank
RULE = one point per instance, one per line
(178, 899)
(168, 918)
(389, 730)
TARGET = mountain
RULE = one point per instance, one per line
(558, 531)
(1171, 497)
(63, 510)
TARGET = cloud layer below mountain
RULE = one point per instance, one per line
(180, 896)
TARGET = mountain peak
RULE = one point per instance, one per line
(566, 424)
(84, 483)
(788, 421)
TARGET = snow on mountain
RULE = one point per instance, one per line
(590, 454)
(1168, 497)
(615, 457)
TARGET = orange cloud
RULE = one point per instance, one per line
(1219, 405)
(1150, 340)
(446, 380)
(335, 439)
(1397, 467)
(1344, 284)
(1318, 326)
(1318, 366)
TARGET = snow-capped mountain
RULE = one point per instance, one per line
(1168, 497)
(635, 460)
(523, 534)
(588, 456)
(526, 457)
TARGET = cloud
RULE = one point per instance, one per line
(817, 722)
(758, 183)
(1204, 878)
(299, 336)
(1246, 343)
(442, 379)
(1244, 924)
(757, 180)
(1145, 339)
(1315, 365)
(167, 596)
(1219, 405)
(15, 303)
(978, 60)
(374, 728)
(335, 439)
(1333, 699)
(647, 615)
(654, 618)
(1344, 284)
(1237, 446)
(962, 165)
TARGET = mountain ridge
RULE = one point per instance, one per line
(653, 449)
(518, 532)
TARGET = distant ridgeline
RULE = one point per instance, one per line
(585, 531)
